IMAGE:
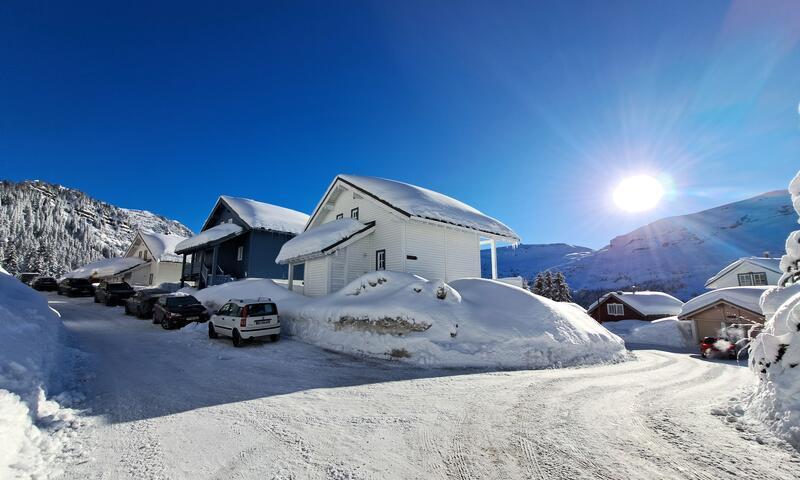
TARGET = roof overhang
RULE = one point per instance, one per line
(210, 243)
(718, 303)
(368, 228)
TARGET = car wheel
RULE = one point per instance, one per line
(165, 324)
(211, 332)
(275, 337)
(237, 339)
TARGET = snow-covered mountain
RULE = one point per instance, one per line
(678, 254)
(51, 228)
(527, 260)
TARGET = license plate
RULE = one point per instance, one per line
(262, 322)
(192, 318)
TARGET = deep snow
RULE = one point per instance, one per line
(667, 332)
(263, 216)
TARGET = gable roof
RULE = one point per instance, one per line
(161, 246)
(105, 267)
(322, 239)
(744, 297)
(413, 201)
(645, 302)
(771, 264)
(261, 216)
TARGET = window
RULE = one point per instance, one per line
(225, 310)
(615, 309)
(150, 281)
(240, 253)
(341, 215)
(140, 254)
(380, 260)
(751, 279)
(354, 213)
(146, 257)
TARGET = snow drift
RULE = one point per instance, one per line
(775, 354)
(665, 332)
(467, 323)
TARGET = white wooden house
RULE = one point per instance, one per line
(747, 272)
(160, 262)
(364, 224)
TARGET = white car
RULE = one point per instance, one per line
(243, 319)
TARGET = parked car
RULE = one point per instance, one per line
(716, 346)
(112, 293)
(27, 277)
(246, 319)
(45, 284)
(178, 310)
(75, 287)
(141, 303)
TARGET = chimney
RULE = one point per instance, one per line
(766, 254)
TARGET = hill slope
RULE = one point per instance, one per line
(528, 260)
(46, 227)
(678, 254)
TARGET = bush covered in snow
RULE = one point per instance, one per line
(469, 322)
(29, 356)
(775, 354)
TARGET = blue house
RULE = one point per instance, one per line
(239, 239)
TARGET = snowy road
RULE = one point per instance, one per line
(176, 405)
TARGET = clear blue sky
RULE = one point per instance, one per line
(529, 111)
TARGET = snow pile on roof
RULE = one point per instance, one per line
(424, 203)
(32, 428)
(772, 264)
(468, 323)
(744, 297)
(665, 332)
(315, 240)
(162, 246)
(107, 267)
(259, 215)
(647, 302)
(213, 234)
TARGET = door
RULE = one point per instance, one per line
(223, 319)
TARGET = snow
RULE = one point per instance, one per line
(468, 323)
(313, 241)
(32, 427)
(107, 267)
(745, 297)
(665, 332)
(213, 234)
(263, 216)
(162, 246)
(647, 302)
(424, 203)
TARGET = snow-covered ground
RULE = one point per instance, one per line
(167, 404)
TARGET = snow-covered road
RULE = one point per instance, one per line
(177, 405)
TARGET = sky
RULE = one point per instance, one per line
(531, 112)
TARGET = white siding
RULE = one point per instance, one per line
(426, 242)
(315, 277)
(338, 269)
(463, 254)
(167, 272)
(731, 279)
(360, 258)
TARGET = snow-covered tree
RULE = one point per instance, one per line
(560, 289)
(11, 259)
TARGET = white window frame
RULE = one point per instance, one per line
(615, 309)
(240, 253)
(752, 279)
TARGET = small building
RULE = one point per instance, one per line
(644, 305)
(747, 272)
(239, 239)
(713, 313)
(362, 224)
(160, 262)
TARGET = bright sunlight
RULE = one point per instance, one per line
(638, 193)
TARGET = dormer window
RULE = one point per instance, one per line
(341, 215)
(354, 213)
(752, 279)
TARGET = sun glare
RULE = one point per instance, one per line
(638, 193)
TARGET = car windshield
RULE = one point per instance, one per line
(79, 282)
(181, 301)
(261, 309)
(118, 286)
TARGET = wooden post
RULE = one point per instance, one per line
(213, 265)
(291, 276)
(183, 269)
(493, 243)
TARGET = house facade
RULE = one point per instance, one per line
(239, 239)
(747, 272)
(160, 262)
(364, 224)
(714, 313)
(644, 305)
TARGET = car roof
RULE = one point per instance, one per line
(248, 301)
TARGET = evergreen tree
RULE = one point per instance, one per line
(11, 259)
(561, 289)
(547, 287)
(538, 284)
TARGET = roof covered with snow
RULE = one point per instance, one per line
(772, 264)
(263, 216)
(107, 267)
(645, 302)
(744, 297)
(162, 246)
(318, 240)
(206, 237)
(423, 203)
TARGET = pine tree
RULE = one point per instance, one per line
(561, 292)
(538, 284)
(547, 287)
(11, 259)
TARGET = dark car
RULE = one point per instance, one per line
(112, 293)
(141, 303)
(45, 284)
(27, 277)
(75, 287)
(178, 310)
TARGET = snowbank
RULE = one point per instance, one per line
(29, 357)
(468, 323)
(213, 234)
(316, 239)
(106, 267)
(666, 332)
(260, 215)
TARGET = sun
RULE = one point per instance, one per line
(638, 193)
